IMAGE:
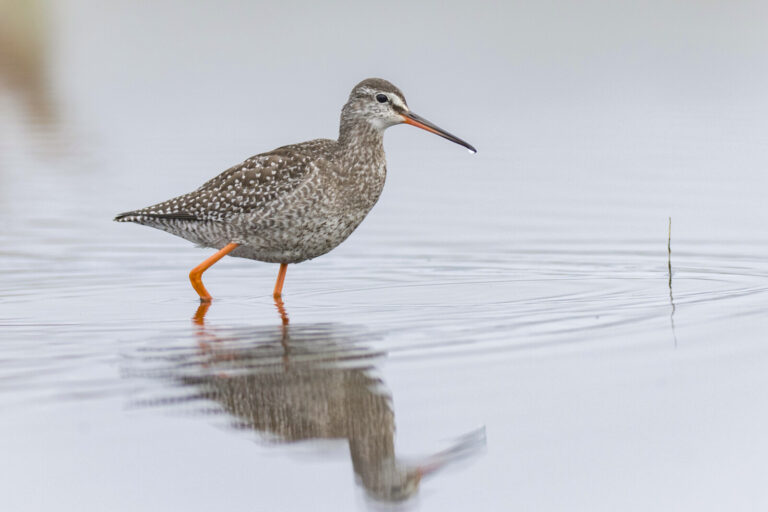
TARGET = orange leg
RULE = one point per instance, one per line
(281, 310)
(202, 309)
(196, 275)
(280, 280)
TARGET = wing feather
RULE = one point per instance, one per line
(244, 188)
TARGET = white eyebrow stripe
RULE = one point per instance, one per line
(398, 101)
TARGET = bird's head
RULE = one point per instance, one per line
(382, 105)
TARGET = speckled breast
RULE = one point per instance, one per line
(309, 222)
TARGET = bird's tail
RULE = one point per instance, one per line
(125, 217)
(139, 216)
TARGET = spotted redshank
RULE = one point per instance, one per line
(296, 202)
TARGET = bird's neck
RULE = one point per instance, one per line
(359, 138)
(363, 168)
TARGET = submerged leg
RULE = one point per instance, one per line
(196, 275)
(280, 280)
(202, 309)
(282, 312)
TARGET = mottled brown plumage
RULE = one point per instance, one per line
(296, 202)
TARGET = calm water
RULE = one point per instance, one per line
(506, 331)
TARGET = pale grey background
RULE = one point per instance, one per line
(524, 288)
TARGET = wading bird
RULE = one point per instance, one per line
(297, 202)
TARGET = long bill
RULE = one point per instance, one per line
(420, 122)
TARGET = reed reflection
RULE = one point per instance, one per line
(298, 383)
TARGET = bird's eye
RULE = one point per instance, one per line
(382, 98)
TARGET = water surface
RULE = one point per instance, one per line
(508, 330)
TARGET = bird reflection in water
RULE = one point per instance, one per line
(297, 383)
